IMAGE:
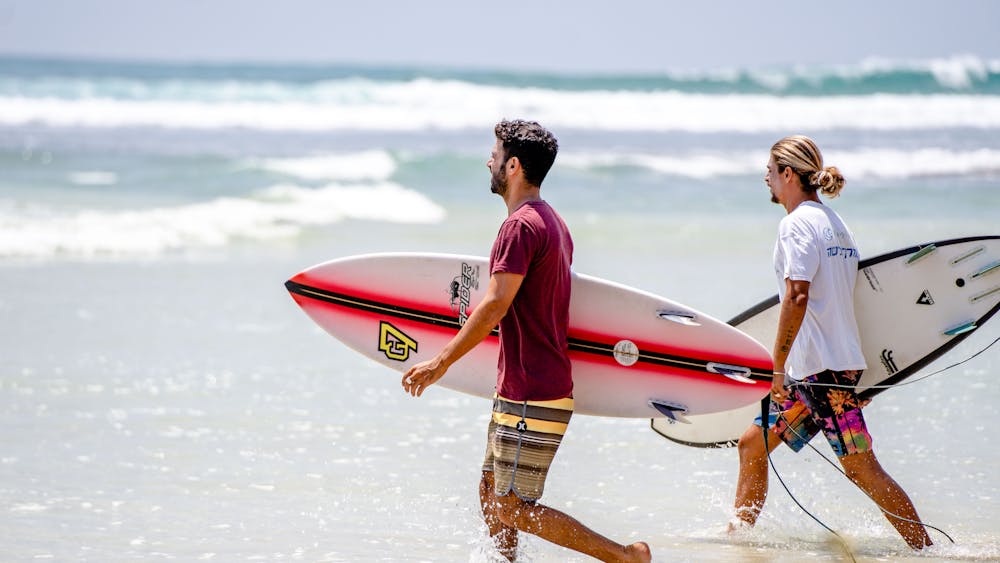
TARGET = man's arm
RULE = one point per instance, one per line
(793, 310)
(499, 295)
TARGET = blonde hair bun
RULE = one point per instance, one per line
(829, 181)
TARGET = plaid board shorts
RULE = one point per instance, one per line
(521, 442)
(834, 410)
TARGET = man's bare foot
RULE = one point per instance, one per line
(744, 519)
(638, 551)
(735, 525)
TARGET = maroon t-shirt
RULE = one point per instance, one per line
(534, 363)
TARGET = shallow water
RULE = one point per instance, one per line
(161, 397)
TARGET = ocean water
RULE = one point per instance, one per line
(162, 398)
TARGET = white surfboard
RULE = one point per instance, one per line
(912, 306)
(634, 354)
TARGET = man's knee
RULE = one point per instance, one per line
(862, 467)
(751, 445)
(511, 508)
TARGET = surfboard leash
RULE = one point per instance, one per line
(900, 384)
(765, 419)
(765, 403)
(884, 511)
(838, 468)
(765, 424)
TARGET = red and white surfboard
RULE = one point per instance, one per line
(634, 354)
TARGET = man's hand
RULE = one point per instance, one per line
(422, 375)
(779, 393)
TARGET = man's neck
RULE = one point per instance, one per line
(792, 204)
(517, 197)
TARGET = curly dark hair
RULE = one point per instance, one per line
(532, 144)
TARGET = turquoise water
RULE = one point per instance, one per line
(163, 398)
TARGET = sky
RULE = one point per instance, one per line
(645, 36)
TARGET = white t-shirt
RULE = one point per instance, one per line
(815, 245)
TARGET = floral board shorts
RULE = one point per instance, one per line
(813, 406)
(522, 440)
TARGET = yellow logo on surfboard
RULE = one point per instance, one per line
(394, 343)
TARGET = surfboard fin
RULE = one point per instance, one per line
(674, 412)
(961, 329)
(987, 269)
(679, 317)
(984, 294)
(925, 251)
(963, 257)
(736, 373)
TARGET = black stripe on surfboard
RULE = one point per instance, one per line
(905, 251)
(575, 344)
(682, 362)
(371, 306)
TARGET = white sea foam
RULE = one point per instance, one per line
(861, 163)
(958, 72)
(891, 163)
(366, 165)
(93, 178)
(279, 212)
(452, 105)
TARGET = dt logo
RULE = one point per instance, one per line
(394, 343)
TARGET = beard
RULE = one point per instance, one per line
(498, 181)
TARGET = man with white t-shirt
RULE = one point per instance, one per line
(817, 342)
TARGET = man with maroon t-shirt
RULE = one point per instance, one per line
(528, 296)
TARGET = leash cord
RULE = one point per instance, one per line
(900, 384)
(765, 419)
(764, 415)
(884, 511)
